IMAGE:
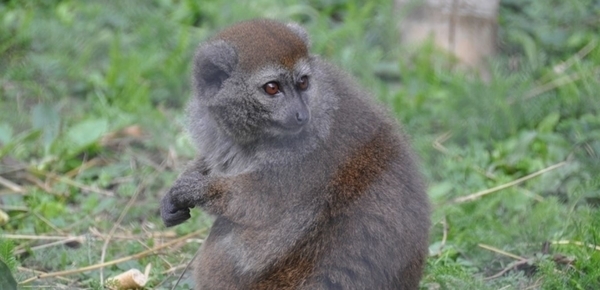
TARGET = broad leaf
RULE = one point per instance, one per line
(7, 281)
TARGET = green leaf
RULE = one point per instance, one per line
(6, 133)
(24, 137)
(6, 254)
(7, 281)
(548, 124)
(440, 190)
(528, 43)
(86, 133)
(47, 119)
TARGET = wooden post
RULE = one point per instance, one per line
(466, 28)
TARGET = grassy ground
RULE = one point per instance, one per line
(91, 96)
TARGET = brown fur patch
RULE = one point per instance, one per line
(260, 42)
(361, 170)
(216, 196)
(293, 269)
(349, 182)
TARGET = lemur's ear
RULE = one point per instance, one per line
(214, 63)
(301, 32)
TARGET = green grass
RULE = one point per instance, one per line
(91, 114)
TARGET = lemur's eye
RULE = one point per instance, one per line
(271, 88)
(303, 83)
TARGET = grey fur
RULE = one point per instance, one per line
(339, 204)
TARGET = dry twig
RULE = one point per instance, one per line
(113, 262)
(11, 185)
(71, 182)
(501, 252)
(23, 269)
(520, 260)
(120, 219)
(566, 242)
(80, 240)
(479, 194)
(506, 269)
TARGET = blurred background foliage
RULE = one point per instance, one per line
(91, 114)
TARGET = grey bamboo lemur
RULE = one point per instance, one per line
(312, 184)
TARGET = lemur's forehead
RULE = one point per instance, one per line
(260, 42)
